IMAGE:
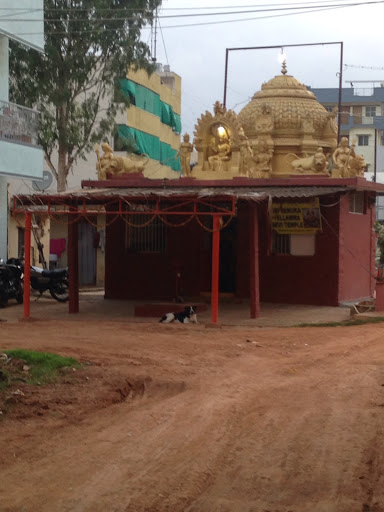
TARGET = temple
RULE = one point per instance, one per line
(276, 209)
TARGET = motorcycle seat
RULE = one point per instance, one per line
(55, 273)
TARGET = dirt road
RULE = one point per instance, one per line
(184, 418)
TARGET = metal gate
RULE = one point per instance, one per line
(87, 254)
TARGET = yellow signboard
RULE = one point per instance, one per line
(296, 218)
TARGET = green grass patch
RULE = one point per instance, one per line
(44, 367)
(353, 321)
(4, 380)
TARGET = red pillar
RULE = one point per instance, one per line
(215, 269)
(73, 266)
(27, 265)
(254, 281)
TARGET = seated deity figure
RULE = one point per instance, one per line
(342, 159)
(263, 161)
(184, 153)
(222, 153)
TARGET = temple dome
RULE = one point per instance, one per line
(289, 102)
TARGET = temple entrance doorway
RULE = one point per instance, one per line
(228, 258)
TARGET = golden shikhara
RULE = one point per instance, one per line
(283, 131)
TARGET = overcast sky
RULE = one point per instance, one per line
(197, 53)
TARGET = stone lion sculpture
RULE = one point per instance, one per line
(358, 166)
(317, 163)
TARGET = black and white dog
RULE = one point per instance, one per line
(184, 317)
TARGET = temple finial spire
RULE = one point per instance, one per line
(284, 67)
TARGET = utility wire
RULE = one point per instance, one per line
(162, 37)
(231, 13)
(124, 9)
(190, 24)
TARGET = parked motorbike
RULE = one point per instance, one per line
(55, 281)
(11, 282)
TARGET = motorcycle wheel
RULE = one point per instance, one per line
(3, 295)
(20, 296)
(60, 290)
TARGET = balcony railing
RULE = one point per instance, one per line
(18, 124)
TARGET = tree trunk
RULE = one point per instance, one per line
(62, 171)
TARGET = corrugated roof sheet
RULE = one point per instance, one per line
(100, 194)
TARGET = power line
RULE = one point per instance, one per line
(328, 8)
(124, 9)
(363, 67)
(165, 49)
(189, 15)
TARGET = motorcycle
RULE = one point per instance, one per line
(55, 281)
(11, 282)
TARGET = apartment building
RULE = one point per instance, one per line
(362, 121)
(21, 155)
(151, 125)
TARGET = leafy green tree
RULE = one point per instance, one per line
(89, 45)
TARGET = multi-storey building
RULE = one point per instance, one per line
(151, 125)
(20, 154)
(362, 121)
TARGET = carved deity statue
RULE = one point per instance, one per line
(342, 157)
(184, 153)
(109, 163)
(320, 161)
(221, 153)
(219, 109)
(245, 153)
(262, 161)
(264, 121)
(346, 163)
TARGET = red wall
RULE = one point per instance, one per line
(131, 275)
(357, 252)
(341, 269)
(293, 279)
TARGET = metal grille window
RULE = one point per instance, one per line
(281, 244)
(20, 243)
(357, 203)
(370, 111)
(363, 140)
(149, 239)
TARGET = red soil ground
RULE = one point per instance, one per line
(186, 418)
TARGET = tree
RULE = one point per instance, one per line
(89, 45)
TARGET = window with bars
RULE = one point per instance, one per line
(370, 111)
(363, 140)
(145, 238)
(281, 244)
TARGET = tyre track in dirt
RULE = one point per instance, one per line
(290, 425)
